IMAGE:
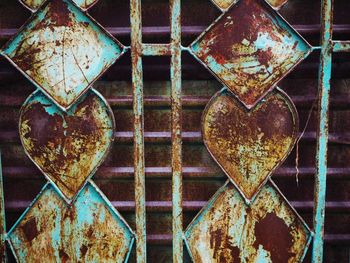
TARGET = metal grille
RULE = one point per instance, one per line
(65, 90)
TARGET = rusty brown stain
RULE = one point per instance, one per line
(274, 235)
(30, 229)
(67, 147)
(249, 145)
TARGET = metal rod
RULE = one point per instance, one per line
(321, 150)
(3, 257)
(341, 46)
(176, 113)
(139, 160)
(156, 49)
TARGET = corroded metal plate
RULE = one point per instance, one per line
(228, 230)
(62, 51)
(67, 146)
(90, 230)
(224, 4)
(35, 4)
(249, 145)
(277, 4)
(249, 48)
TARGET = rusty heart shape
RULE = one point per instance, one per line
(250, 144)
(67, 146)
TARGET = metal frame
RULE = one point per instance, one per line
(139, 49)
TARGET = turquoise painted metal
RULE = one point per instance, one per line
(33, 5)
(229, 230)
(62, 51)
(67, 147)
(325, 73)
(249, 48)
(176, 128)
(90, 230)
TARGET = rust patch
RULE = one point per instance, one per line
(249, 49)
(228, 230)
(274, 239)
(250, 145)
(30, 229)
(67, 147)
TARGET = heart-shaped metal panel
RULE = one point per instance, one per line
(67, 146)
(249, 145)
(35, 4)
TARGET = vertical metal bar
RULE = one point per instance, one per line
(321, 151)
(176, 113)
(139, 160)
(3, 257)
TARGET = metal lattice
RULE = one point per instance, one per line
(249, 128)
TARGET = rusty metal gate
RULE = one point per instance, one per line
(220, 140)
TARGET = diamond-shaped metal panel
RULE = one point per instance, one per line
(62, 51)
(249, 49)
(35, 4)
(90, 230)
(250, 145)
(224, 4)
(67, 146)
(227, 230)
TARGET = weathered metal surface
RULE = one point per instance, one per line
(227, 230)
(139, 147)
(176, 128)
(225, 4)
(35, 4)
(249, 145)
(341, 46)
(62, 51)
(325, 73)
(90, 230)
(67, 146)
(249, 49)
(277, 3)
